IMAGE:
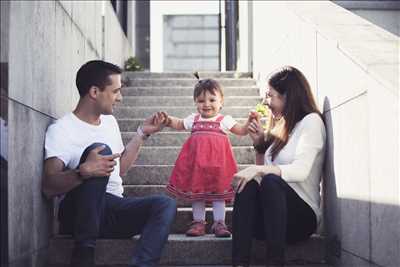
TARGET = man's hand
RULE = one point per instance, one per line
(97, 165)
(241, 178)
(154, 123)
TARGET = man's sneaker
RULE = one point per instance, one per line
(220, 229)
(197, 228)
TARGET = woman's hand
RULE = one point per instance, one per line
(241, 178)
(256, 131)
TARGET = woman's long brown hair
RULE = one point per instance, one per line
(293, 85)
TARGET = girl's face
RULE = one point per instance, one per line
(275, 101)
(208, 105)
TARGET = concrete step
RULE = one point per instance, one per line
(182, 101)
(166, 155)
(131, 124)
(122, 112)
(178, 138)
(201, 265)
(130, 75)
(159, 91)
(153, 174)
(181, 250)
(174, 82)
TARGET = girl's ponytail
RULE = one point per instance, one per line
(196, 74)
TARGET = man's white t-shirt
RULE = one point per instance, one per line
(69, 136)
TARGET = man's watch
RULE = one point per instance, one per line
(140, 132)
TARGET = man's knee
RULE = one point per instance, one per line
(105, 151)
(166, 204)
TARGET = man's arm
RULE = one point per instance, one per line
(58, 180)
(151, 125)
(130, 153)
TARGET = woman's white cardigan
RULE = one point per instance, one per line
(301, 160)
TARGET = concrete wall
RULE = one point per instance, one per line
(48, 41)
(117, 47)
(384, 14)
(353, 67)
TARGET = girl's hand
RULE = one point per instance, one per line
(241, 178)
(153, 124)
(253, 115)
(166, 119)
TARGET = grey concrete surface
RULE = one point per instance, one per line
(179, 111)
(184, 91)
(353, 65)
(165, 75)
(385, 183)
(47, 42)
(181, 101)
(28, 212)
(191, 82)
(206, 250)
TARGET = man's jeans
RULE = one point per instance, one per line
(89, 213)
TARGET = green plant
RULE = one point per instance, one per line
(132, 64)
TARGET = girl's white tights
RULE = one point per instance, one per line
(199, 210)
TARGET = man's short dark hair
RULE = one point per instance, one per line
(95, 73)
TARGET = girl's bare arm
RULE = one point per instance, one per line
(173, 122)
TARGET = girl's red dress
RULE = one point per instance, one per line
(205, 166)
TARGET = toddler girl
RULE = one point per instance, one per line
(205, 166)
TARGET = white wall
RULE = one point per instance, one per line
(160, 8)
(353, 68)
(244, 52)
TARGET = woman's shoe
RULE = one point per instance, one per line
(197, 228)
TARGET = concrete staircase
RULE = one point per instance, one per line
(172, 92)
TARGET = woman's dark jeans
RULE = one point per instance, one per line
(89, 213)
(271, 211)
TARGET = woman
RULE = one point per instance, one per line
(278, 199)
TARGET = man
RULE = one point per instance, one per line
(84, 161)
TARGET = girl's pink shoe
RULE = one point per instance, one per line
(197, 228)
(220, 229)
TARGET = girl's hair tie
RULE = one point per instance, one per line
(196, 74)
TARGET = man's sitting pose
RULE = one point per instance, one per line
(84, 161)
